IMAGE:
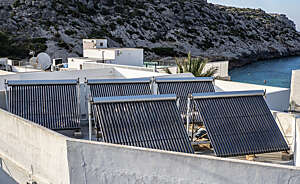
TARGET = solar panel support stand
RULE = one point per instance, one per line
(78, 98)
(6, 94)
(87, 93)
(90, 118)
(188, 114)
(178, 103)
(193, 121)
(154, 86)
(214, 81)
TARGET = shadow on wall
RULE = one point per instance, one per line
(278, 101)
(4, 177)
(2, 100)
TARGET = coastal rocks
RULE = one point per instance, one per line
(162, 27)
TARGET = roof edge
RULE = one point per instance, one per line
(141, 98)
(118, 81)
(41, 82)
(228, 94)
(185, 79)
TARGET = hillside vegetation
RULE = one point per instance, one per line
(163, 27)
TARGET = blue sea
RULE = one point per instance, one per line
(276, 72)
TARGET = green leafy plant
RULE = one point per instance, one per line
(195, 66)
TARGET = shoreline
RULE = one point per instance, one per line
(237, 63)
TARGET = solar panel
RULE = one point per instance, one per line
(150, 121)
(182, 87)
(50, 103)
(119, 87)
(239, 123)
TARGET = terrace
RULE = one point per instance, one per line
(31, 152)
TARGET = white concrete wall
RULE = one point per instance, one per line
(286, 124)
(106, 54)
(221, 65)
(124, 71)
(128, 73)
(131, 57)
(91, 163)
(24, 69)
(297, 142)
(295, 90)
(276, 98)
(74, 63)
(34, 149)
(222, 68)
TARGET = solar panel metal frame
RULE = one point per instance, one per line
(183, 99)
(185, 79)
(137, 134)
(238, 147)
(28, 84)
(40, 82)
(118, 82)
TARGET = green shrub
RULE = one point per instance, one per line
(19, 49)
(70, 32)
(164, 51)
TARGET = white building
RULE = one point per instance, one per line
(97, 49)
(94, 43)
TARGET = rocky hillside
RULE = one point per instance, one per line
(163, 27)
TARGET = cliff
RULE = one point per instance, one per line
(163, 27)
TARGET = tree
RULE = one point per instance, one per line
(195, 66)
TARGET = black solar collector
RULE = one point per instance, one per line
(151, 121)
(239, 123)
(50, 103)
(119, 87)
(182, 87)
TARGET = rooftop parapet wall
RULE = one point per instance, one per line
(295, 88)
(105, 163)
(286, 124)
(277, 98)
(37, 150)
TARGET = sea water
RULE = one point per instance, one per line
(275, 72)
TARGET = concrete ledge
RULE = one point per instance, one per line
(93, 162)
(34, 149)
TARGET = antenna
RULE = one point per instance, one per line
(44, 60)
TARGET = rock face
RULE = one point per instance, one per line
(163, 27)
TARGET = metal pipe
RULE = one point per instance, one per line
(178, 103)
(120, 81)
(228, 94)
(188, 116)
(90, 118)
(134, 98)
(6, 94)
(78, 99)
(185, 79)
(40, 82)
(152, 83)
